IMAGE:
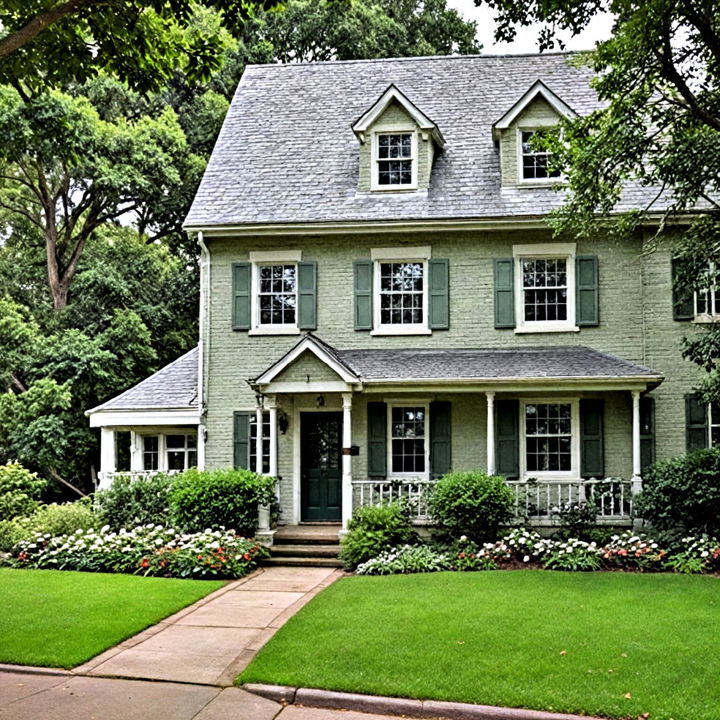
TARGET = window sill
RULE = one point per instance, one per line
(269, 330)
(525, 184)
(400, 330)
(393, 188)
(706, 319)
(540, 328)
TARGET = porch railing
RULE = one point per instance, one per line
(536, 502)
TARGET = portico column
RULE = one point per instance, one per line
(258, 439)
(347, 489)
(272, 408)
(490, 397)
(636, 464)
(136, 452)
(108, 457)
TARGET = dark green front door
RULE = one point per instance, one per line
(320, 465)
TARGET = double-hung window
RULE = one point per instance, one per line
(550, 438)
(181, 451)
(707, 301)
(151, 452)
(395, 161)
(545, 287)
(275, 292)
(408, 446)
(534, 163)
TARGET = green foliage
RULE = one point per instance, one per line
(573, 555)
(129, 501)
(406, 559)
(576, 520)
(471, 503)
(374, 529)
(20, 490)
(219, 498)
(682, 496)
(12, 532)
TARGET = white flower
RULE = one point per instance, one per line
(526, 558)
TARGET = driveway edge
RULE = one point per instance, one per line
(310, 697)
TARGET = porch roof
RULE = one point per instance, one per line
(174, 387)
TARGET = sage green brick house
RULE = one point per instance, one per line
(383, 301)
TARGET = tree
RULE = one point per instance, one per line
(51, 43)
(658, 79)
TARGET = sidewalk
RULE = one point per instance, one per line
(212, 641)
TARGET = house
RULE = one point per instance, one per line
(383, 300)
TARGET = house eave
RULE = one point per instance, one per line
(143, 417)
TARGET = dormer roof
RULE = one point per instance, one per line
(537, 90)
(393, 94)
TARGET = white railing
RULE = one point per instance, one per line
(536, 502)
(547, 500)
(414, 491)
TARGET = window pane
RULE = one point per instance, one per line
(175, 441)
(176, 460)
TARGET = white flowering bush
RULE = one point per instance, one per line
(147, 550)
(634, 550)
(469, 555)
(573, 554)
(696, 555)
(523, 545)
(406, 559)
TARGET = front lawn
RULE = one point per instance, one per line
(62, 619)
(610, 644)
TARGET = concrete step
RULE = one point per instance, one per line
(308, 534)
(300, 550)
(303, 561)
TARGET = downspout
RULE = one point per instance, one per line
(203, 323)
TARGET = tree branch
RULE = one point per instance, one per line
(56, 476)
(40, 22)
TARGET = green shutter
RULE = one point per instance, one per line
(363, 289)
(440, 439)
(241, 296)
(683, 300)
(439, 284)
(647, 433)
(377, 439)
(696, 423)
(307, 295)
(241, 440)
(586, 290)
(504, 293)
(507, 446)
(591, 439)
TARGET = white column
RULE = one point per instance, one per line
(108, 457)
(258, 440)
(490, 397)
(636, 465)
(347, 490)
(272, 407)
(136, 452)
(201, 445)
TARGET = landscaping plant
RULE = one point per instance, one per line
(130, 501)
(406, 559)
(219, 498)
(472, 504)
(20, 491)
(374, 529)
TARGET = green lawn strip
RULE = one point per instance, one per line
(570, 642)
(62, 619)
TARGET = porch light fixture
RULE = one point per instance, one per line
(283, 422)
(259, 399)
(320, 401)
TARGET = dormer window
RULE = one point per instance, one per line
(533, 162)
(395, 157)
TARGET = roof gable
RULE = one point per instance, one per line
(537, 90)
(393, 95)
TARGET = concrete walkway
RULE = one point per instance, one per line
(212, 641)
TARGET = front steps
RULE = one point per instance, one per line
(306, 545)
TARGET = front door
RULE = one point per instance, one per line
(320, 466)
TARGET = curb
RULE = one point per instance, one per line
(405, 707)
(33, 670)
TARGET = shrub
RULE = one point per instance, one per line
(145, 550)
(472, 504)
(522, 545)
(219, 498)
(130, 502)
(573, 555)
(406, 559)
(374, 529)
(683, 495)
(697, 555)
(19, 491)
(12, 532)
(468, 556)
(629, 550)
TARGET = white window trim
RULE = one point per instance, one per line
(400, 255)
(263, 259)
(162, 446)
(374, 171)
(533, 182)
(551, 251)
(574, 472)
(402, 404)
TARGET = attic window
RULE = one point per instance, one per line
(534, 163)
(394, 160)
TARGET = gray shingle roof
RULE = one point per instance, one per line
(491, 364)
(174, 387)
(287, 154)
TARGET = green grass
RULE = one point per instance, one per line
(570, 642)
(62, 619)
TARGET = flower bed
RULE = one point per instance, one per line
(146, 550)
(521, 547)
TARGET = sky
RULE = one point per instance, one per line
(526, 41)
